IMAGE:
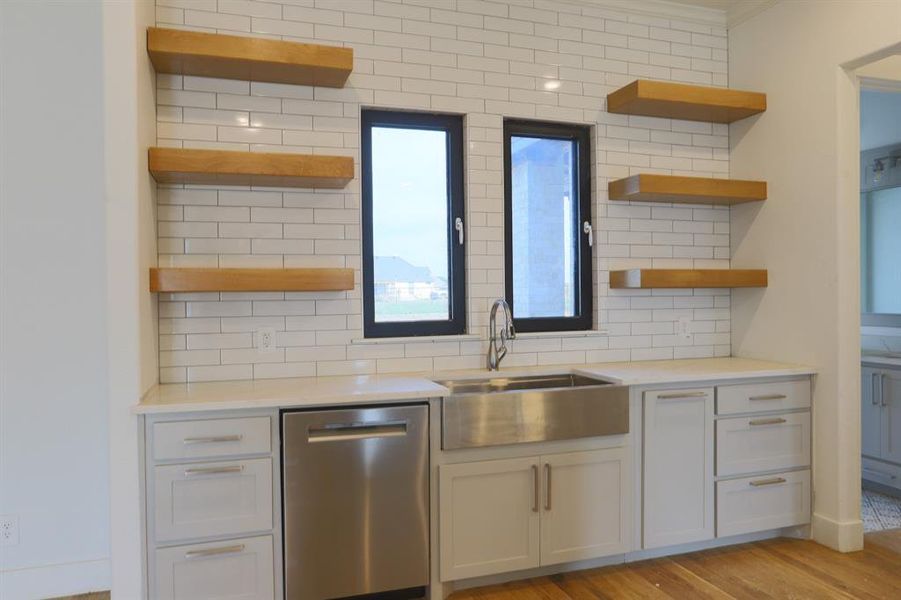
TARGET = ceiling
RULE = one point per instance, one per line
(736, 10)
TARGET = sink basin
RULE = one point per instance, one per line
(497, 411)
(525, 382)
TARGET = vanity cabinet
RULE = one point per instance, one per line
(504, 515)
(880, 416)
(678, 467)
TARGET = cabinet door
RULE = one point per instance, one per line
(586, 510)
(890, 397)
(678, 467)
(240, 569)
(870, 414)
(489, 517)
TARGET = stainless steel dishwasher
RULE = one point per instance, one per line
(356, 501)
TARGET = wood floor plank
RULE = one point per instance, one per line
(775, 569)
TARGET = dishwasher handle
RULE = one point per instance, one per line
(340, 432)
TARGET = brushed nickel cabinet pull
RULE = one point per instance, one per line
(213, 470)
(536, 489)
(769, 397)
(214, 551)
(547, 483)
(766, 421)
(770, 481)
(875, 396)
(882, 394)
(682, 395)
(213, 439)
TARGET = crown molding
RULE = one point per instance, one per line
(880, 85)
(742, 11)
(662, 9)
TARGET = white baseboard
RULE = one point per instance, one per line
(842, 536)
(50, 581)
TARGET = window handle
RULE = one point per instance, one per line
(458, 225)
(586, 228)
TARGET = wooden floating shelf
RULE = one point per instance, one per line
(688, 102)
(686, 190)
(226, 167)
(251, 280)
(687, 278)
(253, 59)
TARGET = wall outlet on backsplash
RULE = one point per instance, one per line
(683, 328)
(9, 530)
(265, 339)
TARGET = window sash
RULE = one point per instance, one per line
(583, 315)
(452, 126)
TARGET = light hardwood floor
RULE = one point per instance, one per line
(773, 569)
(781, 568)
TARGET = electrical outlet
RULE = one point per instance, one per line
(683, 328)
(9, 530)
(265, 339)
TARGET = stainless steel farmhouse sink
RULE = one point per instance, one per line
(495, 411)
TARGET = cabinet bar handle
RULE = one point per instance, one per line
(875, 399)
(536, 489)
(547, 483)
(213, 439)
(766, 421)
(882, 394)
(770, 481)
(769, 397)
(682, 395)
(213, 470)
(214, 551)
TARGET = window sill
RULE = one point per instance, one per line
(562, 334)
(466, 337)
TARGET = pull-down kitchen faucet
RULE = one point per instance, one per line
(495, 353)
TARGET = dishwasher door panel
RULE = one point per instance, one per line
(356, 501)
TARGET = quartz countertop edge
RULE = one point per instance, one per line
(327, 392)
(880, 360)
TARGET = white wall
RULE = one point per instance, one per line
(487, 60)
(53, 369)
(806, 146)
(130, 114)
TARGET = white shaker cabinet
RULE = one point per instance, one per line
(870, 413)
(586, 509)
(880, 419)
(890, 401)
(489, 517)
(678, 467)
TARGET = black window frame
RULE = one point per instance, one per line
(452, 125)
(584, 297)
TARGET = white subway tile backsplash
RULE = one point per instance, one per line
(487, 60)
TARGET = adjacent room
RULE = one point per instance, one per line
(450, 299)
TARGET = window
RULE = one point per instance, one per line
(413, 261)
(547, 223)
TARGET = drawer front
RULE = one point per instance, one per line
(761, 397)
(207, 499)
(210, 438)
(758, 443)
(240, 569)
(761, 503)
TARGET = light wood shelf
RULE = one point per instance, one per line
(226, 167)
(248, 58)
(682, 101)
(251, 280)
(686, 190)
(687, 278)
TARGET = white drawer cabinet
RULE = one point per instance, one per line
(763, 502)
(210, 438)
(762, 397)
(762, 443)
(241, 569)
(212, 499)
(678, 467)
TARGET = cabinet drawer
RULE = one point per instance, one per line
(210, 438)
(749, 444)
(761, 397)
(761, 503)
(207, 499)
(240, 569)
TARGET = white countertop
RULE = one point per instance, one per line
(310, 392)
